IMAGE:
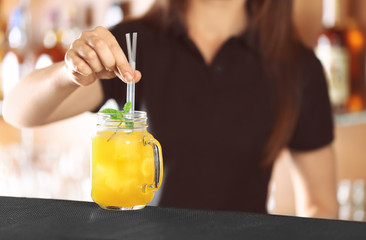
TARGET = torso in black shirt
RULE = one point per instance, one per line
(214, 121)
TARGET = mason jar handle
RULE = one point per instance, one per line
(158, 160)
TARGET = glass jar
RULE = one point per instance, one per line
(127, 164)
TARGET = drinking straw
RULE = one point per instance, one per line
(132, 60)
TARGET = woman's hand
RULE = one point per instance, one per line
(96, 54)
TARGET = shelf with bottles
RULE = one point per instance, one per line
(341, 49)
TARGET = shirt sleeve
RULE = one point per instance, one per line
(314, 128)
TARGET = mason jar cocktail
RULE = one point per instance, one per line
(127, 165)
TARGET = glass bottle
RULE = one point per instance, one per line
(17, 60)
(333, 52)
(356, 45)
(127, 165)
(51, 50)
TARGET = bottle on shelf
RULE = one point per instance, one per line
(17, 60)
(356, 46)
(89, 17)
(51, 49)
(332, 50)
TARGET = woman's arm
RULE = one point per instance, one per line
(315, 183)
(47, 95)
(70, 87)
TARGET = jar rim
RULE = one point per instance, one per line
(136, 115)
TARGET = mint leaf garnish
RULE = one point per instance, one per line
(119, 115)
(109, 110)
(127, 107)
(129, 124)
(115, 114)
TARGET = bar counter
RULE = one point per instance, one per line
(30, 218)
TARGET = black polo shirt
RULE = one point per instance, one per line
(214, 121)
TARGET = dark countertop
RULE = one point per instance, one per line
(29, 218)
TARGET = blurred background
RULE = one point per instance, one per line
(53, 161)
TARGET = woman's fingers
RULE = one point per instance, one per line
(76, 64)
(97, 54)
(137, 76)
(103, 52)
(121, 61)
(91, 57)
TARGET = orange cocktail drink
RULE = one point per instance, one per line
(126, 162)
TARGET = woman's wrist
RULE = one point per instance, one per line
(65, 78)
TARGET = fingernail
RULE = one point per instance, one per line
(128, 76)
(119, 74)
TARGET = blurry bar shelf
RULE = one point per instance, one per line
(350, 119)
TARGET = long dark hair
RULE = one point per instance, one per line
(271, 32)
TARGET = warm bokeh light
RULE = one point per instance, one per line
(356, 40)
